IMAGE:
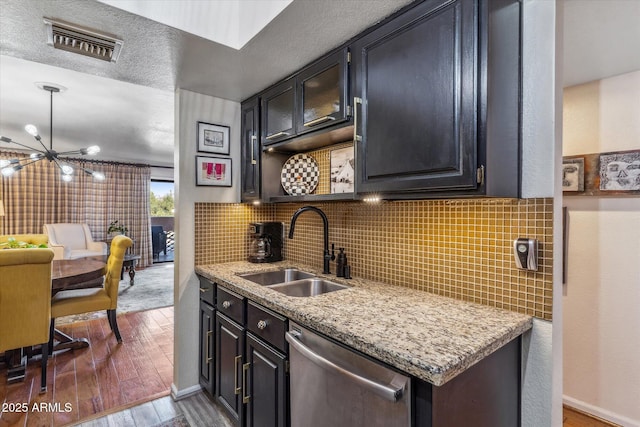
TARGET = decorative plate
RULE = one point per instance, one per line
(300, 175)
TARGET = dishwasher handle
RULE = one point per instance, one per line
(382, 390)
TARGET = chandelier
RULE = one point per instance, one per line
(11, 166)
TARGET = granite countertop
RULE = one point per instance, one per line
(429, 336)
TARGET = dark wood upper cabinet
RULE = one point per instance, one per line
(322, 92)
(251, 152)
(278, 112)
(431, 96)
(421, 101)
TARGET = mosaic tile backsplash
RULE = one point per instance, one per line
(456, 248)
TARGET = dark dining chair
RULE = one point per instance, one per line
(78, 301)
(25, 301)
(158, 240)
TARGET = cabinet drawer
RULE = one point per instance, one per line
(231, 304)
(267, 325)
(207, 290)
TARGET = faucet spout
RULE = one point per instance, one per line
(327, 256)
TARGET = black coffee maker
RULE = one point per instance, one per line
(266, 241)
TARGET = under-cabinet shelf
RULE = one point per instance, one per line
(313, 198)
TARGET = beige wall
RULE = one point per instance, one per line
(602, 294)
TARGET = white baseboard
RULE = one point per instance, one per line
(181, 394)
(599, 412)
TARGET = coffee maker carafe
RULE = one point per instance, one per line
(266, 241)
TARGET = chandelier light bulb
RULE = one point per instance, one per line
(35, 156)
(4, 163)
(66, 178)
(66, 170)
(10, 170)
(98, 176)
(94, 149)
(32, 130)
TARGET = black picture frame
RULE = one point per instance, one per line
(213, 138)
(213, 171)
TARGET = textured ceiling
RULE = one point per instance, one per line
(127, 107)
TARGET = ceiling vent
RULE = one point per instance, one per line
(83, 41)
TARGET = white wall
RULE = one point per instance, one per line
(190, 108)
(542, 355)
(602, 294)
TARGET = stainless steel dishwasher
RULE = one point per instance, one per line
(333, 386)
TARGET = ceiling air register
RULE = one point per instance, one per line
(83, 41)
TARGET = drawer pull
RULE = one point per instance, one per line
(245, 397)
(254, 139)
(208, 357)
(318, 121)
(356, 101)
(277, 135)
(203, 290)
(262, 324)
(226, 304)
(235, 374)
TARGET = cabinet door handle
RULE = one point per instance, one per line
(208, 356)
(318, 121)
(203, 290)
(253, 147)
(226, 304)
(245, 370)
(262, 324)
(235, 374)
(356, 101)
(277, 135)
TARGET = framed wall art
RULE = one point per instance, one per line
(620, 171)
(342, 170)
(573, 174)
(213, 138)
(213, 171)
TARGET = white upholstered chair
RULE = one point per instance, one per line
(75, 239)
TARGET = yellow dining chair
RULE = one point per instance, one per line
(25, 301)
(78, 301)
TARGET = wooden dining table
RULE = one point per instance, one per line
(76, 273)
(66, 274)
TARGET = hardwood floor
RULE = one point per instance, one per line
(102, 377)
(574, 418)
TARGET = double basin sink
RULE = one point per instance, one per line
(293, 282)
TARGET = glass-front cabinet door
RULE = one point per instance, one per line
(278, 106)
(322, 92)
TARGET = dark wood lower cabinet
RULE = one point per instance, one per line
(228, 378)
(485, 395)
(266, 383)
(207, 346)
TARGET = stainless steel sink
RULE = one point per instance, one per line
(308, 287)
(267, 278)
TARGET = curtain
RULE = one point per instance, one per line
(36, 195)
